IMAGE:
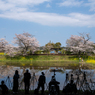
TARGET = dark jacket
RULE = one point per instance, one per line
(27, 77)
(4, 89)
(42, 79)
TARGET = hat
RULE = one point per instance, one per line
(2, 82)
(27, 70)
(42, 73)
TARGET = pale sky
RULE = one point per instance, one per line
(47, 20)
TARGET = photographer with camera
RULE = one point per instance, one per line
(55, 85)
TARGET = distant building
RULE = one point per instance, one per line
(52, 52)
(55, 51)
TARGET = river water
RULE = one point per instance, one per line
(60, 76)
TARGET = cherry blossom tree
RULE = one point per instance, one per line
(80, 44)
(26, 42)
(7, 48)
(11, 50)
(3, 44)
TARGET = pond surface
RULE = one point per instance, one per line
(60, 72)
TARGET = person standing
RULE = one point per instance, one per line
(41, 82)
(15, 82)
(27, 77)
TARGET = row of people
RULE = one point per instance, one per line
(27, 77)
(41, 82)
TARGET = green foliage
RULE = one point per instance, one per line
(50, 45)
(39, 52)
(57, 45)
(63, 51)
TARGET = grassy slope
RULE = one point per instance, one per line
(46, 60)
(38, 58)
(34, 60)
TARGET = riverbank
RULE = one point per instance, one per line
(21, 92)
(37, 60)
(47, 60)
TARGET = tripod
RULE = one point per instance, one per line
(33, 79)
(84, 85)
(54, 74)
(9, 83)
(66, 80)
(21, 80)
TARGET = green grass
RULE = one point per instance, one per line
(45, 60)
(37, 58)
(42, 63)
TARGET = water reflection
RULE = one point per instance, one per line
(60, 72)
